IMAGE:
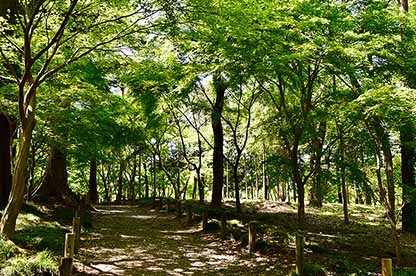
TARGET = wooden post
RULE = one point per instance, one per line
(189, 213)
(76, 229)
(65, 269)
(251, 236)
(386, 267)
(300, 262)
(69, 245)
(224, 225)
(205, 220)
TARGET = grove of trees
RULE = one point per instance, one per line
(300, 101)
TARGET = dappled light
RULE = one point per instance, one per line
(132, 242)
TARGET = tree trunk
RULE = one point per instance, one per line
(8, 220)
(54, 187)
(227, 192)
(343, 181)
(300, 187)
(93, 193)
(195, 188)
(154, 182)
(5, 160)
(200, 186)
(265, 188)
(146, 181)
(139, 191)
(408, 159)
(132, 192)
(218, 156)
(316, 156)
(388, 162)
(119, 196)
(245, 179)
(257, 182)
(237, 187)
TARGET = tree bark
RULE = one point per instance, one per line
(300, 187)
(5, 160)
(218, 156)
(93, 192)
(408, 160)
(154, 182)
(146, 181)
(8, 220)
(265, 188)
(132, 192)
(237, 187)
(119, 196)
(139, 191)
(343, 181)
(200, 186)
(316, 156)
(54, 187)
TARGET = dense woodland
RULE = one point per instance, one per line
(305, 102)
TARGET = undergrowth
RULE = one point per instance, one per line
(36, 245)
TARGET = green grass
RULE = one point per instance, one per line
(43, 263)
(36, 234)
(37, 243)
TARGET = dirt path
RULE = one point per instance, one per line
(128, 240)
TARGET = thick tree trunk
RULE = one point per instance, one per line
(408, 160)
(8, 220)
(93, 192)
(5, 160)
(218, 156)
(54, 187)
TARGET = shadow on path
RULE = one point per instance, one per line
(127, 240)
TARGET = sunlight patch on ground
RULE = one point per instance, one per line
(154, 268)
(141, 217)
(183, 231)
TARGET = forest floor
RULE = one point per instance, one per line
(132, 240)
(127, 240)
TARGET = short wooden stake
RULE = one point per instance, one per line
(205, 220)
(251, 236)
(65, 269)
(189, 213)
(224, 225)
(69, 245)
(386, 267)
(76, 229)
(300, 261)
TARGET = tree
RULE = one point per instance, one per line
(45, 53)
